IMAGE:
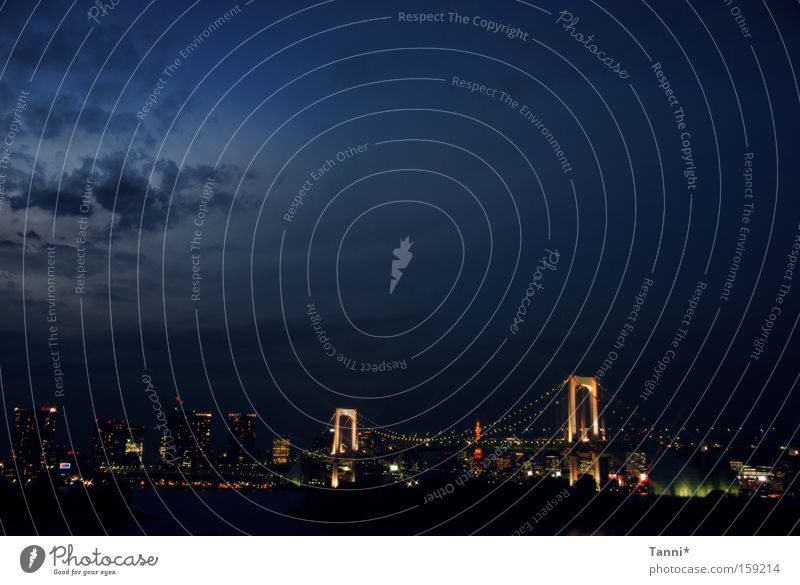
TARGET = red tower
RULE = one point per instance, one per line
(478, 452)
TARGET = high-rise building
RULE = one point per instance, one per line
(196, 440)
(241, 437)
(116, 445)
(189, 439)
(32, 439)
(281, 450)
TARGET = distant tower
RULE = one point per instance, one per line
(477, 454)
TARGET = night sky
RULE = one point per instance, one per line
(298, 143)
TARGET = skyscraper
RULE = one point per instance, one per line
(188, 440)
(241, 437)
(32, 439)
(191, 430)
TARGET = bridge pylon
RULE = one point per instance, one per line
(586, 430)
(342, 468)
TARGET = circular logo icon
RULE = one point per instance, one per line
(31, 558)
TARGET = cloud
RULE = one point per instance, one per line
(68, 111)
(120, 186)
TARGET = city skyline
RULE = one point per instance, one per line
(187, 447)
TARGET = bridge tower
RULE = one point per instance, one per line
(585, 431)
(583, 408)
(343, 469)
(339, 446)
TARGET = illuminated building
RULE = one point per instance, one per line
(758, 479)
(633, 476)
(115, 444)
(552, 465)
(197, 442)
(190, 438)
(636, 463)
(173, 443)
(32, 440)
(395, 470)
(516, 464)
(342, 470)
(281, 450)
(503, 463)
(241, 437)
(134, 444)
(165, 449)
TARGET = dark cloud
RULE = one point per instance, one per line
(68, 111)
(121, 187)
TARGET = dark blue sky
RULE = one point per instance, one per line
(261, 100)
